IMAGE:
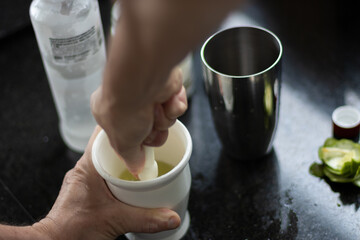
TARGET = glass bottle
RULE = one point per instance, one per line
(71, 43)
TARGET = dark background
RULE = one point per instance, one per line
(271, 198)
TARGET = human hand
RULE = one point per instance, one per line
(86, 209)
(138, 101)
(140, 118)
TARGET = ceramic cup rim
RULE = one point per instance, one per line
(204, 61)
(143, 185)
(350, 110)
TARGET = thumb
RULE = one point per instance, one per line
(146, 220)
(134, 158)
(96, 105)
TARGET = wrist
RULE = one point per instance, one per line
(22, 233)
(57, 227)
(46, 229)
(137, 67)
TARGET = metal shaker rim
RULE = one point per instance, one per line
(248, 75)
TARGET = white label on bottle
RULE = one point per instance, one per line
(77, 48)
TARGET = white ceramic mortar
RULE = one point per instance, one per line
(170, 190)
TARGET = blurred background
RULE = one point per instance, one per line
(14, 15)
(276, 198)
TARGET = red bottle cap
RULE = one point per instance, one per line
(346, 123)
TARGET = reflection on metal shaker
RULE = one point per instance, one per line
(242, 74)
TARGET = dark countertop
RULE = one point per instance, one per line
(271, 198)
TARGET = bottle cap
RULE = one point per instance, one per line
(346, 122)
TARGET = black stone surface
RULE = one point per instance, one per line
(271, 198)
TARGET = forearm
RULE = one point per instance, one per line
(132, 70)
(22, 233)
(151, 38)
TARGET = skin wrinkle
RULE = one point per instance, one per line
(152, 227)
(47, 230)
